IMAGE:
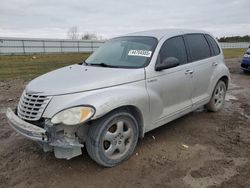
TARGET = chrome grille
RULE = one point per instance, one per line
(31, 106)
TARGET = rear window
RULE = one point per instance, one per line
(198, 46)
(214, 45)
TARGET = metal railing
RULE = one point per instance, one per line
(234, 44)
(31, 46)
(22, 46)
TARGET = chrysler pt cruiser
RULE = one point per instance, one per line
(132, 84)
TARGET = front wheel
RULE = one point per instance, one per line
(112, 139)
(245, 71)
(218, 98)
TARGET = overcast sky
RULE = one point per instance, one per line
(109, 18)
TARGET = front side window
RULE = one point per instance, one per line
(173, 47)
(198, 46)
(124, 52)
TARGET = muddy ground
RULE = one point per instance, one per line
(198, 150)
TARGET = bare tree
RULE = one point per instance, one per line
(73, 33)
(91, 36)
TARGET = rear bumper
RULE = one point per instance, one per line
(28, 130)
(245, 69)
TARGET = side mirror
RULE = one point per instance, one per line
(167, 63)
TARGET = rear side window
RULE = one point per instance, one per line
(173, 47)
(214, 45)
(198, 46)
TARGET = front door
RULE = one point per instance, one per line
(170, 90)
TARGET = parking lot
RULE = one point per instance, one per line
(201, 149)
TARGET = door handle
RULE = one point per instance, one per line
(215, 64)
(189, 72)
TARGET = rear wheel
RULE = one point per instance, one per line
(218, 98)
(112, 139)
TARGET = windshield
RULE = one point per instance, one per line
(124, 52)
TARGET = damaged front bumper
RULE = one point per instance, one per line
(26, 129)
(64, 147)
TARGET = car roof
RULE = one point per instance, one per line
(160, 33)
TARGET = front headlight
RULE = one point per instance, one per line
(73, 116)
(247, 55)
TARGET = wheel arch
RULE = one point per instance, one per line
(225, 79)
(137, 114)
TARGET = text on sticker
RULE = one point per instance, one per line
(144, 53)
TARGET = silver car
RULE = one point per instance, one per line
(132, 84)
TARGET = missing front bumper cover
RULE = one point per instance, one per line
(63, 147)
(26, 129)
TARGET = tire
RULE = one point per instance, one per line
(218, 98)
(246, 72)
(112, 138)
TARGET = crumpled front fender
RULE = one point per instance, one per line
(104, 100)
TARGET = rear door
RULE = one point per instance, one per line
(202, 65)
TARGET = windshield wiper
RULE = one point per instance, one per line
(102, 65)
(83, 63)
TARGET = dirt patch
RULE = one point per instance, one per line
(10, 92)
(201, 149)
(211, 168)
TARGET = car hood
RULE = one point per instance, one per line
(79, 78)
